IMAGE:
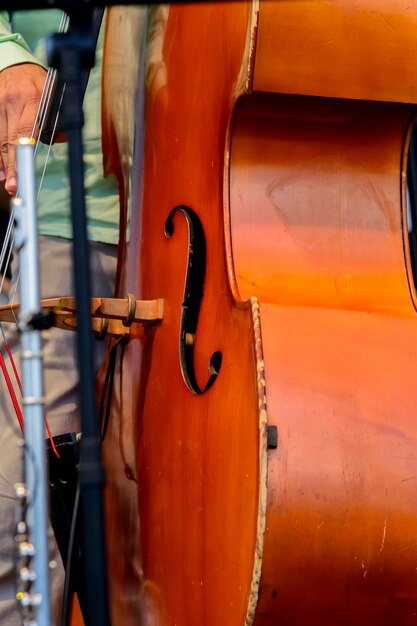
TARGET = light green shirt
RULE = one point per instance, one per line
(102, 197)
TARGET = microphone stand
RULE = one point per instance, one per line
(71, 53)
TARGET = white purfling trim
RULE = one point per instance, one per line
(262, 499)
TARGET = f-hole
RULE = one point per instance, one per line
(193, 294)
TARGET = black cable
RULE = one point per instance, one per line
(68, 590)
(107, 393)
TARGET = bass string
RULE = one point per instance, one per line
(8, 240)
(38, 126)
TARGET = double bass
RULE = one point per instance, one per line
(261, 448)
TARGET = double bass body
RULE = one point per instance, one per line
(286, 149)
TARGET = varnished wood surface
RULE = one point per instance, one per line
(197, 455)
(316, 225)
(322, 183)
(364, 49)
(340, 486)
(76, 615)
(340, 339)
(123, 52)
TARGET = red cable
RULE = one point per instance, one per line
(13, 395)
(9, 352)
(11, 392)
(51, 439)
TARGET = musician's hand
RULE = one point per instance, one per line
(20, 91)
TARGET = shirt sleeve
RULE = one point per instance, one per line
(13, 48)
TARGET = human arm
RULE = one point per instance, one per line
(21, 83)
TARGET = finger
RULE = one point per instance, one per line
(8, 149)
(20, 124)
(19, 127)
(25, 127)
(2, 171)
(12, 109)
(11, 175)
(3, 134)
(4, 151)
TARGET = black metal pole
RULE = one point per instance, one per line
(70, 54)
